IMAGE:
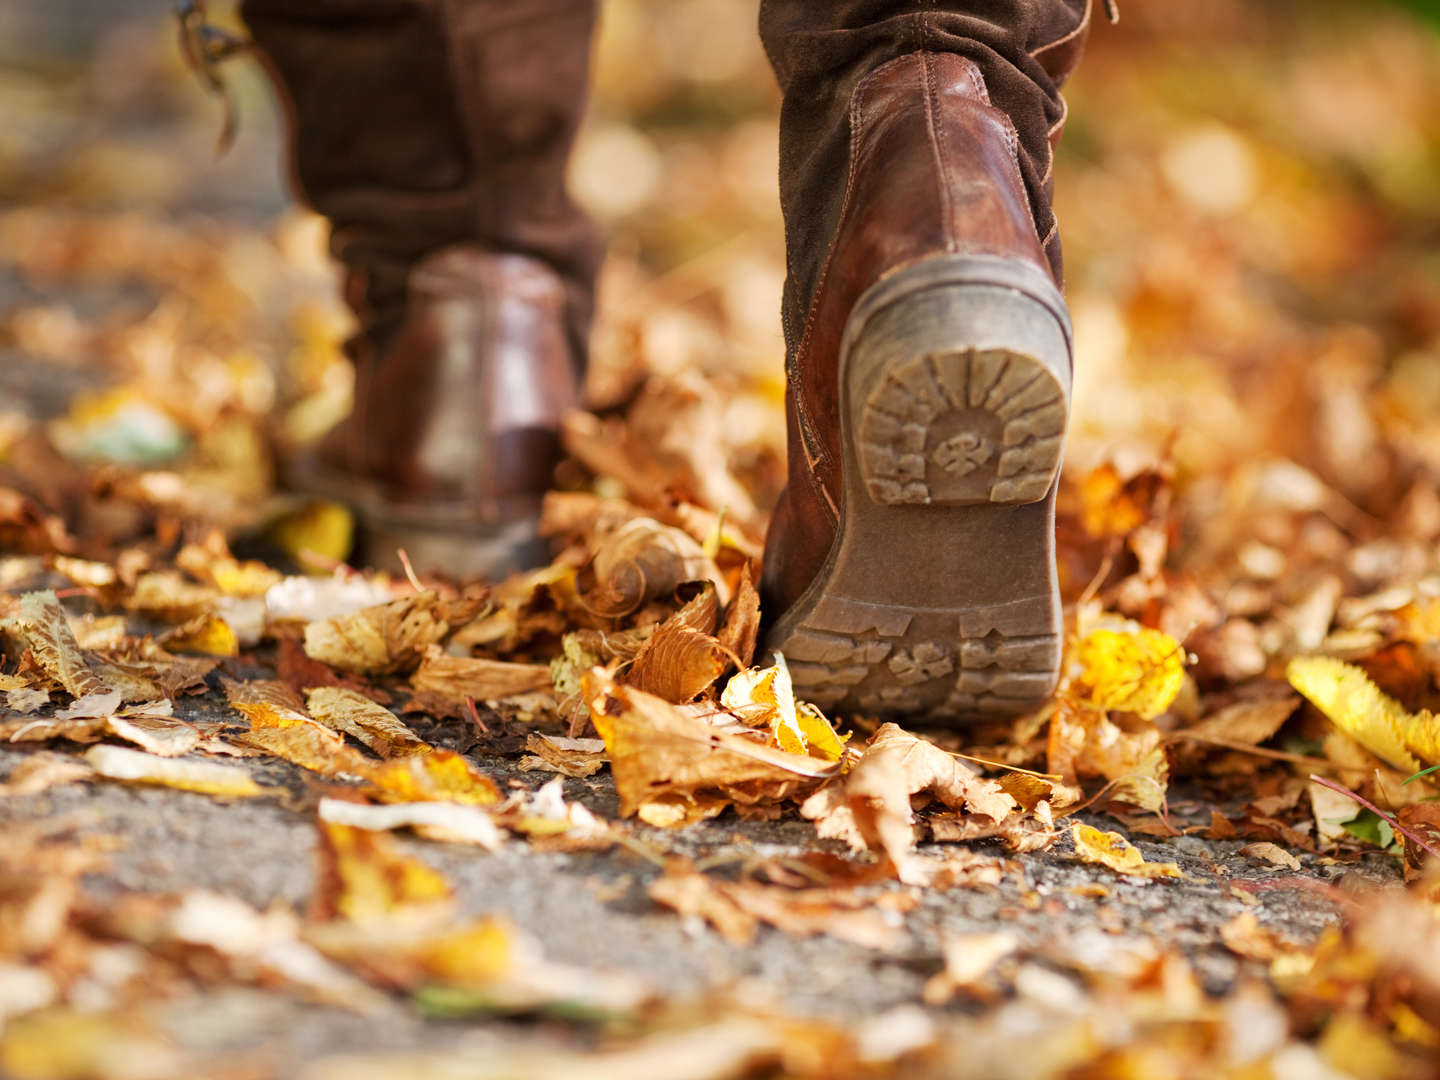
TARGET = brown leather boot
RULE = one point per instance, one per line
(434, 134)
(911, 560)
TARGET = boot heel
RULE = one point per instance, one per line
(939, 595)
(957, 373)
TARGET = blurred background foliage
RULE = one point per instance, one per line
(1247, 192)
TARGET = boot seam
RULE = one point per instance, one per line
(813, 449)
(935, 139)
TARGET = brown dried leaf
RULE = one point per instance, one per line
(456, 678)
(356, 715)
(379, 640)
(43, 625)
(42, 771)
(1274, 854)
(568, 757)
(169, 596)
(741, 629)
(642, 560)
(1084, 741)
(871, 807)
(678, 663)
(660, 755)
(736, 908)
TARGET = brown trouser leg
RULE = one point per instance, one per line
(419, 124)
(821, 49)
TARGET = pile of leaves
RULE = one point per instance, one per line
(1247, 537)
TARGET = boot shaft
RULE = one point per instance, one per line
(416, 126)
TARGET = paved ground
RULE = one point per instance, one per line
(592, 909)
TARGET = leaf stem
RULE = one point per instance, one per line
(1393, 821)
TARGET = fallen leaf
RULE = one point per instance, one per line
(741, 628)
(765, 697)
(378, 640)
(1113, 850)
(678, 663)
(43, 625)
(1084, 741)
(871, 809)
(167, 595)
(209, 634)
(205, 777)
(1138, 670)
(456, 678)
(439, 776)
(1345, 694)
(42, 771)
(568, 757)
(1244, 936)
(640, 560)
(969, 959)
(356, 715)
(1265, 851)
(735, 909)
(664, 758)
(364, 877)
(446, 821)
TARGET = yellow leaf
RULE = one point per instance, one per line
(210, 635)
(439, 776)
(1345, 694)
(63, 1044)
(1113, 850)
(356, 715)
(1139, 670)
(765, 697)
(205, 777)
(235, 578)
(319, 532)
(365, 877)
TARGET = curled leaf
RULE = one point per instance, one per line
(642, 560)
(871, 806)
(678, 663)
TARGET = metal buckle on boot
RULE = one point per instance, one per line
(205, 47)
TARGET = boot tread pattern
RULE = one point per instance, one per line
(923, 661)
(961, 427)
(996, 674)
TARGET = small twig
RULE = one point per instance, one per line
(1106, 565)
(1258, 751)
(1393, 821)
(77, 590)
(475, 715)
(1002, 765)
(410, 574)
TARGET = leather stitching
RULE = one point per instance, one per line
(1071, 36)
(814, 451)
(936, 138)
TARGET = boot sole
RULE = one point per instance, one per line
(939, 594)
